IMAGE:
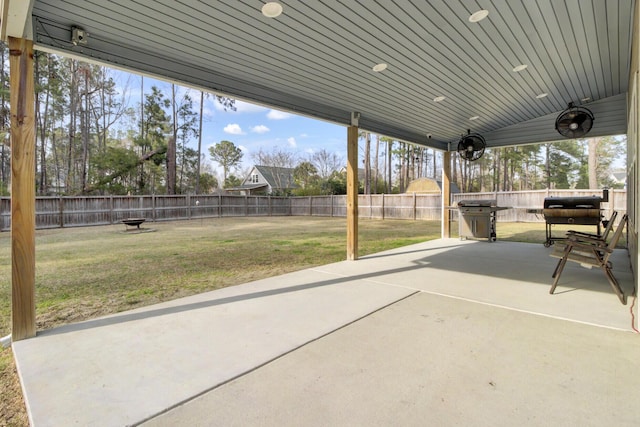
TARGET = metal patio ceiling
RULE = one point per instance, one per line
(316, 58)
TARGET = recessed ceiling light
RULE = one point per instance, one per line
(272, 9)
(542, 95)
(479, 15)
(519, 68)
(379, 67)
(474, 118)
(439, 98)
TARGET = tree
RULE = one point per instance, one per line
(185, 127)
(207, 182)
(276, 158)
(227, 104)
(388, 164)
(305, 174)
(560, 164)
(227, 155)
(326, 163)
(367, 161)
(155, 126)
(602, 152)
(232, 181)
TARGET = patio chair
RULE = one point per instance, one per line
(591, 252)
(605, 233)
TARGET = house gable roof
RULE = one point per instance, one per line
(278, 178)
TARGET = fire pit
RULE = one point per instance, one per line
(133, 222)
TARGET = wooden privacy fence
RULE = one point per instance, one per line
(56, 212)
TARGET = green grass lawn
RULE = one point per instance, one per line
(83, 273)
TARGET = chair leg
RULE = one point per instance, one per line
(567, 249)
(557, 273)
(557, 267)
(615, 285)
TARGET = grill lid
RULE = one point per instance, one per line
(590, 202)
(478, 203)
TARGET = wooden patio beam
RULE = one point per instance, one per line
(23, 218)
(446, 195)
(352, 193)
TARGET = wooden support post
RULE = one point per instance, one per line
(352, 193)
(446, 195)
(23, 193)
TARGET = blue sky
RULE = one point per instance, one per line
(252, 127)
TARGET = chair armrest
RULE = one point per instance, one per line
(581, 246)
(580, 233)
(587, 239)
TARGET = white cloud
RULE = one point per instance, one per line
(278, 115)
(304, 135)
(292, 142)
(260, 129)
(233, 129)
(241, 107)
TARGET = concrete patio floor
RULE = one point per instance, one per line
(445, 332)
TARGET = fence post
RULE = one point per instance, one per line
(383, 206)
(269, 205)
(331, 215)
(414, 206)
(111, 209)
(153, 207)
(61, 207)
(219, 205)
(370, 207)
(310, 206)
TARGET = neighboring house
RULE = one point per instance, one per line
(619, 177)
(263, 180)
(360, 173)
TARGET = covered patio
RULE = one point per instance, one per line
(426, 73)
(443, 330)
(420, 72)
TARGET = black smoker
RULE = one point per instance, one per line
(573, 210)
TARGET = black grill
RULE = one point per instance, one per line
(572, 210)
